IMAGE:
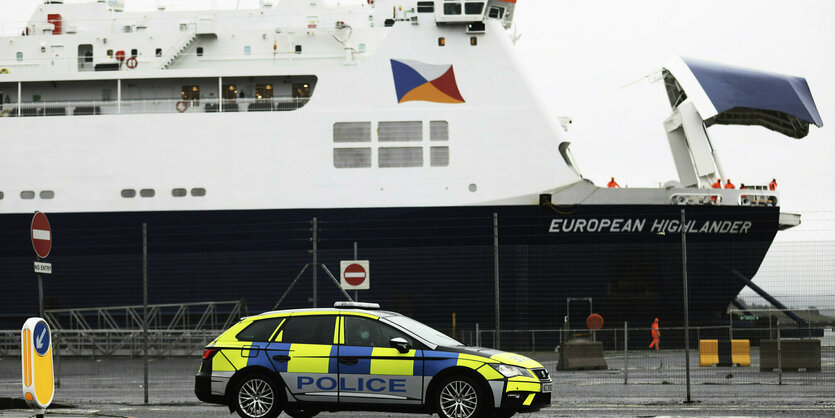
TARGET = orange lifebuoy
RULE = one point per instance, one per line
(131, 63)
(182, 106)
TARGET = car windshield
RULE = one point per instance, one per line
(423, 331)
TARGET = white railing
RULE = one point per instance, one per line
(83, 108)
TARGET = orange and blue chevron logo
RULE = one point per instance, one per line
(417, 81)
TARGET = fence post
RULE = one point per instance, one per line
(315, 258)
(145, 303)
(779, 357)
(686, 302)
(477, 336)
(497, 343)
(625, 353)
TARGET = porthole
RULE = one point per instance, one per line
(128, 193)
(47, 194)
(178, 192)
(473, 187)
(198, 192)
(147, 192)
(27, 194)
(1, 195)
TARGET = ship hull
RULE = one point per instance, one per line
(429, 263)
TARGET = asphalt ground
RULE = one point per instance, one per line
(112, 387)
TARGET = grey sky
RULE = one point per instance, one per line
(581, 53)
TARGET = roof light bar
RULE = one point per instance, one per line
(356, 305)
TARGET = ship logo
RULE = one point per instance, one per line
(418, 81)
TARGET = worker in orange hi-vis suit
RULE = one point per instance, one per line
(773, 185)
(613, 184)
(729, 185)
(718, 184)
(656, 336)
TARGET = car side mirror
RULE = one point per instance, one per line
(400, 344)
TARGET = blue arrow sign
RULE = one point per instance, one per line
(40, 336)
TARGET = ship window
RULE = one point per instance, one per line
(178, 192)
(183, 27)
(191, 93)
(134, 52)
(198, 192)
(496, 12)
(474, 8)
(128, 193)
(19, 56)
(473, 41)
(230, 92)
(47, 194)
(352, 132)
(158, 52)
(27, 194)
(401, 157)
(126, 28)
(439, 130)
(1, 195)
(439, 156)
(298, 49)
(425, 7)
(301, 90)
(452, 8)
(247, 50)
(199, 51)
(441, 41)
(109, 53)
(147, 192)
(263, 91)
(400, 131)
(352, 157)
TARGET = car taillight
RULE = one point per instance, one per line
(209, 353)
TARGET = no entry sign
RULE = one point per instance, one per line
(41, 234)
(355, 274)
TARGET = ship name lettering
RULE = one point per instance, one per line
(659, 226)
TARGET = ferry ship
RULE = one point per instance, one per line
(256, 142)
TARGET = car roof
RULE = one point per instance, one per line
(287, 312)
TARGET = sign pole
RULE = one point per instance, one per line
(498, 336)
(356, 292)
(40, 292)
(686, 303)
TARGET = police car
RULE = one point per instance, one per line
(356, 357)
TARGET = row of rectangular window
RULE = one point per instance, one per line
(390, 157)
(404, 131)
(178, 192)
(29, 194)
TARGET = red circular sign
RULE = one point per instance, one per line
(594, 321)
(41, 235)
(355, 274)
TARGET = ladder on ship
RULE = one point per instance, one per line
(181, 46)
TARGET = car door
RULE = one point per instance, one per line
(303, 353)
(370, 370)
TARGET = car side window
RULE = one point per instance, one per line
(313, 329)
(366, 332)
(259, 331)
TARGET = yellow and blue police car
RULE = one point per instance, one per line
(356, 357)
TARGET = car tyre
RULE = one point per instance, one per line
(257, 396)
(460, 396)
(301, 413)
(504, 413)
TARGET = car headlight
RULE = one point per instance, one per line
(511, 371)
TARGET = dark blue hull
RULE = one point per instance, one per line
(425, 262)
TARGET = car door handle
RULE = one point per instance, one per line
(281, 358)
(349, 360)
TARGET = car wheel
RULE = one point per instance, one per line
(504, 413)
(460, 397)
(301, 413)
(257, 396)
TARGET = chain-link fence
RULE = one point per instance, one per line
(503, 279)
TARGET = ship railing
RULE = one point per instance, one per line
(723, 197)
(125, 342)
(151, 106)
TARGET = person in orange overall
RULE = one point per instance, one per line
(718, 184)
(729, 185)
(773, 185)
(613, 184)
(656, 336)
